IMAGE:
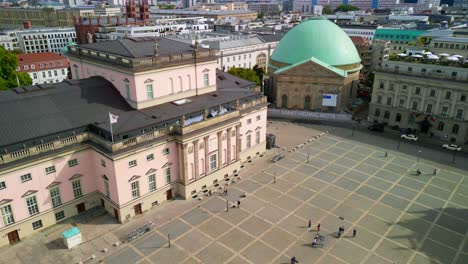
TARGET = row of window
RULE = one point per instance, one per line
(440, 125)
(135, 185)
(417, 91)
(48, 170)
(41, 65)
(149, 157)
(450, 46)
(49, 74)
(33, 208)
(240, 57)
(395, 36)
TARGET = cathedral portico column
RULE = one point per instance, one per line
(229, 147)
(238, 142)
(207, 155)
(195, 156)
(220, 146)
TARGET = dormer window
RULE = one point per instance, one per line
(33, 66)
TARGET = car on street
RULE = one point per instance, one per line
(410, 137)
(378, 128)
(451, 147)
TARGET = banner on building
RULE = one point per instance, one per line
(329, 100)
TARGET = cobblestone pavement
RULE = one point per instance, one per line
(334, 181)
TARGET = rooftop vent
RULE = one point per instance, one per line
(181, 101)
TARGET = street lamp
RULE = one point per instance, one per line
(419, 153)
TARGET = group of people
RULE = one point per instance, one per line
(318, 240)
(418, 172)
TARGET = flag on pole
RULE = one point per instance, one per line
(113, 118)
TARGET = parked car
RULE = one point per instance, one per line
(451, 147)
(410, 137)
(378, 128)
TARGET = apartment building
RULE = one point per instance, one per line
(40, 40)
(44, 67)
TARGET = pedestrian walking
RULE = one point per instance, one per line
(238, 204)
(354, 232)
(318, 227)
(294, 260)
(225, 191)
(386, 154)
(434, 172)
(339, 232)
(310, 224)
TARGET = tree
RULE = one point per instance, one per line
(327, 10)
(260, 15)
(346, 8)
(246, 74)
(8, 65)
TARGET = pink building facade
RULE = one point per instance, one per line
(179, 132)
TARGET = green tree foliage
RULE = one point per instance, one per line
(327, 10)
(346, 8)
(393, 56)
(260, 15)
(247, 74)
(8, 65)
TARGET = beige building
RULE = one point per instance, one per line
(45, 17)
(314, 67)
(430, 98)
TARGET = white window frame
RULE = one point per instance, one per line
(258, 117)
(149, 91)
(150, 157)
(37, 224)
(31, 204)
(132, 163)
(106, 188)
(249, 121)
(26, 177)
(50, 170)
(248, 141)
(166, 151)
(59, 215)
(213, 161)
(77, 190)
(257, 137)
(167, 174)
(72, 162)
(7, 215)
(152, 182)
(55, 196)
(206, 80)
(135, 187)
(103, 163)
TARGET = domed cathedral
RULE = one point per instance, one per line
(314, 67)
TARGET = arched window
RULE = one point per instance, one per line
(398, 117)
(440, 126)
(307, 103)
(189, 82)
(455, 129)
(284, 101)
(181, 86)
(172, 85)
(377, 112)
(387, 114)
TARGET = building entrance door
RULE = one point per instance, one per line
(169, 194)
(137, 209)
(81, 207)
(13, 237)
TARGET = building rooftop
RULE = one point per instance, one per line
(358, 40)
(36, 114)
(41, 61)
(38, 57)
(200, 13)
(140, 47)
(452, 39)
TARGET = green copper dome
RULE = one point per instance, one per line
(316, 37)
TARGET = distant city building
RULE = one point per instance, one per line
(428, 97)
(45, 40)
(232, 50)
(44, 67)
(359, 30)
(313, 61)
(372, 53)
(13, 18)
(399, 38)
(189, 3)
(9, 40)
(266, 8)
(73, 3)
(246, 15)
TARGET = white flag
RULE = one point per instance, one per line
(113, 118)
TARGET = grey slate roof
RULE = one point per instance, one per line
(271, 37)
(140, 47)
(35, 112)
